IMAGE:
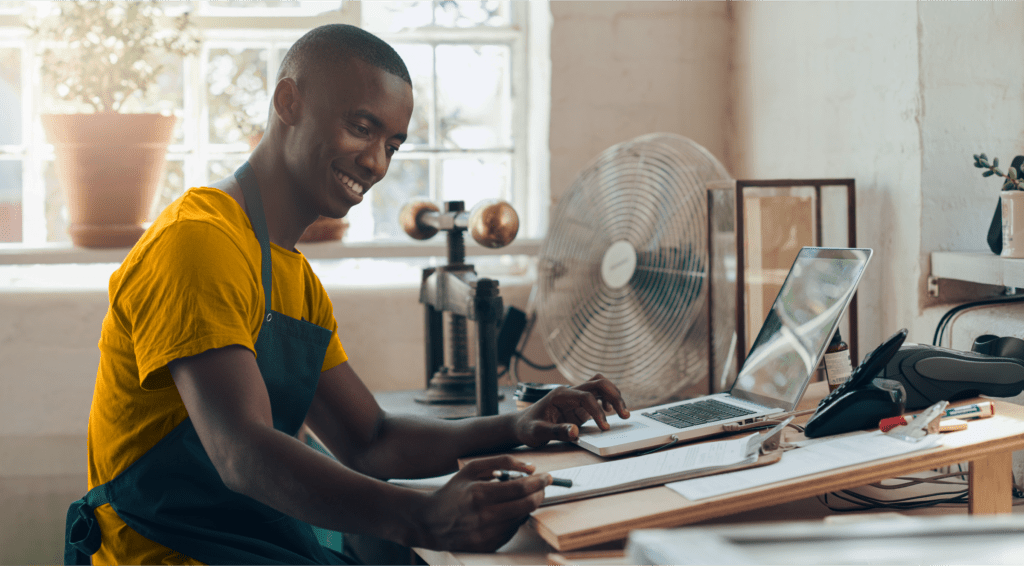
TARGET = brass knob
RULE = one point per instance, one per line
(411, 219)
(493, 223)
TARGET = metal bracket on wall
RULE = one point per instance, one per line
(933, 286)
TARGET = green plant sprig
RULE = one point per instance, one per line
(1014, 178)
(101, 54)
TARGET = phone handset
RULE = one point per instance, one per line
(861, 402)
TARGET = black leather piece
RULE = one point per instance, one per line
(931, 373)
(1004, 347)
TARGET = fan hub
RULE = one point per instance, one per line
(618, 264)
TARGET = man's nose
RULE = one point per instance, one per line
(374, 159)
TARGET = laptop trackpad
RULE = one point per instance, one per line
(618, 431)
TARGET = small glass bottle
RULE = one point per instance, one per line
(837, 362)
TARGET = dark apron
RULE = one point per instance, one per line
(174, 496)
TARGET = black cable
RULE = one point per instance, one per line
(940, 328)
(862, 502)
(520, 356)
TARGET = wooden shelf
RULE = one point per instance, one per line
(978, 267)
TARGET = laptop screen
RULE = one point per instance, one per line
(800, 325)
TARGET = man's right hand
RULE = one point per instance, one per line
(473, 513)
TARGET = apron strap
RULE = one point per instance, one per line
(254, 205)
(81, 531)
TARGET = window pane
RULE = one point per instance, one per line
(406, 179)
(56, 211)
(474, 97)
(390, 17)
(491, 13)
(476, 178)
(167, 95)
(10, 201)
(420, 61)
(270, 7)
(10, 98)
(217, 170)
(253, 3)
(172, 187)
(237, 80)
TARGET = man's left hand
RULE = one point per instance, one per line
(559, 414)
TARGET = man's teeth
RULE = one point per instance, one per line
(356, 187)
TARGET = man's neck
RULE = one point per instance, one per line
(285, 220)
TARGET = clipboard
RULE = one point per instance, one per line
(764, 459)
(766, 447)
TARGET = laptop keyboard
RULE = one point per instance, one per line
(698, 413)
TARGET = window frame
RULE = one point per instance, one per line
(530, 128)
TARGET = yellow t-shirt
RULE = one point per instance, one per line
(191, 283)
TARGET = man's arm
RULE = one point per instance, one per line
(345, 416)
(225, 396)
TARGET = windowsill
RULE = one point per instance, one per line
(64, 252)
(64, 268)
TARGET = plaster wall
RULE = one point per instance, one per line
(832, 90)
(624, 69)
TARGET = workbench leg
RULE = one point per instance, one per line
(990, 486)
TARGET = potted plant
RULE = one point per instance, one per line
(1006, 233)
(100, 59)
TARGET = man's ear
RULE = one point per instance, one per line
(287, 102)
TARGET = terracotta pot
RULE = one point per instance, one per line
(109, 166)
(323, 229)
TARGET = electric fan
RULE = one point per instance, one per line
(623, 272)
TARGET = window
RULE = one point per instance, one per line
(472, 134)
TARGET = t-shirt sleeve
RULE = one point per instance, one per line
(193, 290)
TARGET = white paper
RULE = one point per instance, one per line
(811, 459)
(647, 470)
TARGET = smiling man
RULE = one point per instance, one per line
(220, 342)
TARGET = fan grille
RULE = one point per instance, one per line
(631, 327)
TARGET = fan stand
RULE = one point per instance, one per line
(455, 289)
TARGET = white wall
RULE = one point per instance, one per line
(832, 90)
(624, 69)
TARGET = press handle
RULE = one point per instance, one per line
(492, 223)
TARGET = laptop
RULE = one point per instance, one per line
(817, 291)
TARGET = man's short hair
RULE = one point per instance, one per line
(333, 43)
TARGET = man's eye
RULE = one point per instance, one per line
(362, 130)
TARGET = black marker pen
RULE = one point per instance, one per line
(505, 475)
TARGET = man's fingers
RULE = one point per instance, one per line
(608, 393)
(591, 409)
(488, 494)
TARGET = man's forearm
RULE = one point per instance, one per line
(412, 447)
(279, 471)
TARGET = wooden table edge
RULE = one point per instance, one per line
(799, 488)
